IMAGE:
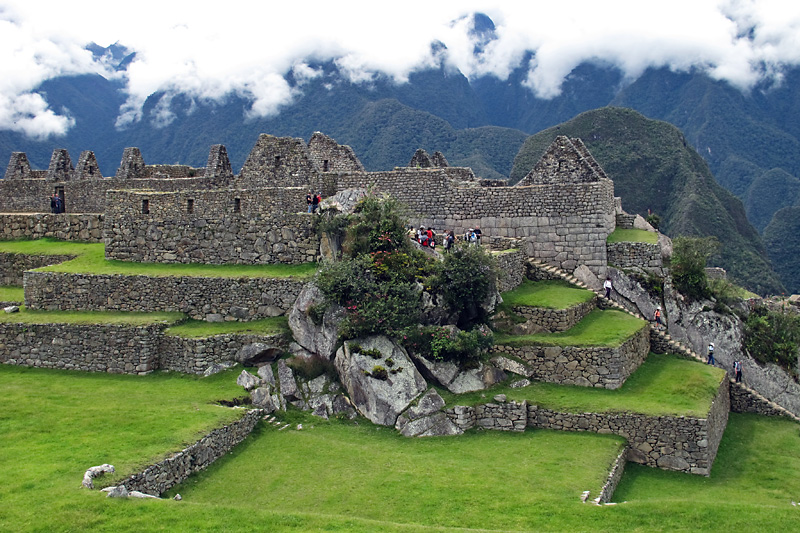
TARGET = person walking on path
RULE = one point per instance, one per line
(737, 370)
(657, 318)
(607, 286)
(710, 360)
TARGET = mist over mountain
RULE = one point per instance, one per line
(749, 140)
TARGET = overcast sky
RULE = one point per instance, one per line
(211, 49)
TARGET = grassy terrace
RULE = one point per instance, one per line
(91, 260)
(598, 328)
(633, 235)
(662, 385)
(198, 329)
(12, 294)
(337, 476)
(548, 294)
(30, 316)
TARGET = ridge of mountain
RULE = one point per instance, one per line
(655, 170)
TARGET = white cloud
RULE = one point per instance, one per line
(246, 48)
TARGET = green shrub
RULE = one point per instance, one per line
(378, 372)
(773, 337)
(444, 344)
(466, 277)
(689, 258)
(378, 224)
(653, 219)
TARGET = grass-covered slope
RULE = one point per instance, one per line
(90, 259)
(662, 385)
(653, 167)
(548, 294)
(338, 476)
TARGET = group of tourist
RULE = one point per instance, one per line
(56, 204)
(313, 201)
(427, 237)
(737, 365)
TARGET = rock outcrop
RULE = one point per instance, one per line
(382, 382)
(317, 335)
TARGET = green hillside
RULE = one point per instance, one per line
(654, 168)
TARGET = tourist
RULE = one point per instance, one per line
(422, 236)
(310, 200)
(315, 201)
(430, 235)
(607, 287)
(54, 203)
(449, 240)
(477, 233)
(59, 205)
(737, 370)
(710, 360)
(657, 318)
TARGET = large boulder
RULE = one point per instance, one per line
(456, 380)
(314, 333)
(382, 382)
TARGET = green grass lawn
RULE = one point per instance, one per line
(598, 328)
(91, 260)
(12, 293)
(338, 476)
(549, 294)
(30, 316)
(633, 235)
(197, 329)
(56, 424)
(662, 385)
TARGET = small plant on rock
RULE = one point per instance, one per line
(379, 372)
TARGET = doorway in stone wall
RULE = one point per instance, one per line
(60, 193)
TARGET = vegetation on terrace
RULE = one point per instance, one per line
(91, 260)
(662, 385)
(291, 480)
(12, 294)
(598, 328)
(632, 235)
(126, 318)
(555, 294)
(196, 329)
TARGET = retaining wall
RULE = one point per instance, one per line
(162, 476)
(13, 265)
(587, 366)
(683, 443)
(512, 266)
(634, 254)
(745, 401)
(201, 298)
(87, 227)
(194, 356)
(91, 348)
(556, 319)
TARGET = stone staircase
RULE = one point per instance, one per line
(674, 345)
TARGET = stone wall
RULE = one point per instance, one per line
(260, 226)
(586, 366)
(683, 443)
(86, 196)
(634, 254)
(13, 265)
(91, 348)
(556, 319)
(194, 356)
(68, 227)
(511, 416)
(744, 400)
(512, 266)
(329, 156)
(614, 477)
(565, 224)
(162, 476)
(200, 298)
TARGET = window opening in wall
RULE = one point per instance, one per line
(237, 205)
(145, 207)
(190, 205)
(277, 160)
(325, 165)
